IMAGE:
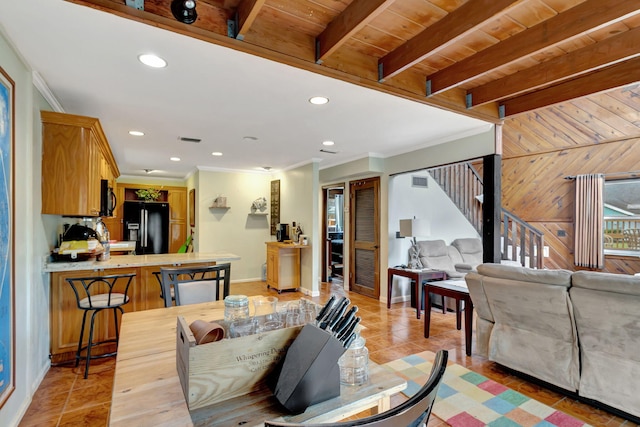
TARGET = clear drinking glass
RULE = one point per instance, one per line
(236, 307)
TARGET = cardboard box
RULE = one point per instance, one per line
(217, 371)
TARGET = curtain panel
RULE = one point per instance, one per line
(589, 221)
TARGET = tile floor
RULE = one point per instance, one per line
(66, 399)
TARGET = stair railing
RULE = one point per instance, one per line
(520, 241)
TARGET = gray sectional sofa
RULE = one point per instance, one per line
(579, 331)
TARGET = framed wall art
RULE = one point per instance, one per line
(192, 207)
(275, 205)
(7, 235)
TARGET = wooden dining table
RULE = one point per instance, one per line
(147, 390)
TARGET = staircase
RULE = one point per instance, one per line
(520, 242)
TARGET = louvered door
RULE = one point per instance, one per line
(364, 272)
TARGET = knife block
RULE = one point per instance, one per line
(309, 373)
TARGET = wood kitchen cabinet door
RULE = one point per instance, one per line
(177, 218)
(72, 151)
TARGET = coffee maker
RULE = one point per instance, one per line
(282, 233)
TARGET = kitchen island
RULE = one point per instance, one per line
(65, 318)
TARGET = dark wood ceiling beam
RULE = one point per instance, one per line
(611, 77)
(441, 34)
(598, 55)
(587, 16)
(358, 14)
(247, 13)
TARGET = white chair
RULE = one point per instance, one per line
(192, 285)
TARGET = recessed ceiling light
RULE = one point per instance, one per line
(216, 153)
(175, 159)
(318, 100)
(152, 60)
(328, 143)
(136, 133)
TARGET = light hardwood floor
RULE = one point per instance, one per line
(66, 399)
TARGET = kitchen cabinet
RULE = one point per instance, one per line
(283, 265)
(177, 218)
(75, 157)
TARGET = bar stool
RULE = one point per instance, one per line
(94, 294)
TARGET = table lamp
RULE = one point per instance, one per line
(414, 228)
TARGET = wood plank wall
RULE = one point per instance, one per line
(597, 134)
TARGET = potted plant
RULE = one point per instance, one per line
(148, 194)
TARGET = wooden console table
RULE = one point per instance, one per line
(147, 390)
(417, 278)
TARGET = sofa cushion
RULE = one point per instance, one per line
(524, 274)
(470, 250)
(437, 255)
(608, 324)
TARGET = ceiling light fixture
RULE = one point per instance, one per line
(136, 133)
(249, 138)
(175, 159)
(184, 11)
(148, 171)
(328, 143)
(267, 168)
(151, 60)
(216, 153)
(318, 100)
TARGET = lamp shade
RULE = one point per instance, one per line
(415, 228)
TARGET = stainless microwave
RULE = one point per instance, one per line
(107, 198)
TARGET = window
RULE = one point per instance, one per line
(622, 216)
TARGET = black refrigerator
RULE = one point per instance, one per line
(147, 223)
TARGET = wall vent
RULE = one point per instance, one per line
(419, 181)
(187, 139)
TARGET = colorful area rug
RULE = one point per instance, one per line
(468, 399)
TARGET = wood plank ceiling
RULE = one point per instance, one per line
(486, 58)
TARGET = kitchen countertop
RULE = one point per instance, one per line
(123, 261)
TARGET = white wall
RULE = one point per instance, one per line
(299, 202)
(233, 230)
(31, 303)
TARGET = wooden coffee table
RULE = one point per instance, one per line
(417, 276)
(448, 288)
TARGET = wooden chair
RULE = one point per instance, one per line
(413, 412)
(94, 294)
(191, 285)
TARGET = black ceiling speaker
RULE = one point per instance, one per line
(184, 10)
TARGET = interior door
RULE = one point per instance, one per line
(364, 219)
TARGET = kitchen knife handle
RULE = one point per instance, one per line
(352, 326)
(326, 308)
(342, 325)
(329, 316)
(338, 314)
(349, 340)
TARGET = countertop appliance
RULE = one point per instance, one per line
(107, 199)
(282, 233)
(147, 223)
